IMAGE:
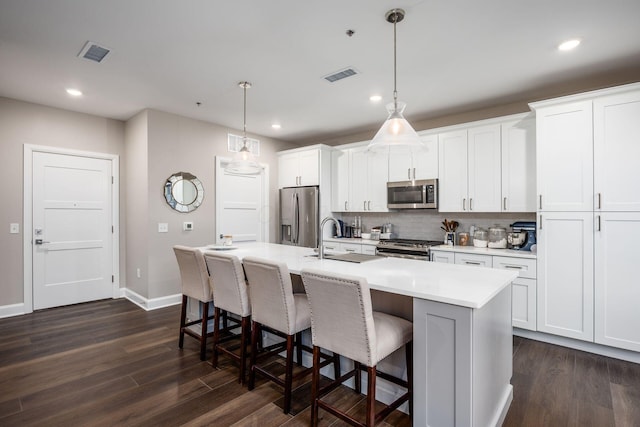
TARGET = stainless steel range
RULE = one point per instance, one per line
(406, 248)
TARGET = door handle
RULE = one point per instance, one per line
(540, 201)
(345, 205)
(408, 173)
(369, 205)
(471, 203)
(504, 204)
(414, 173)
(40, 241)
(464, 204)
(599, 200)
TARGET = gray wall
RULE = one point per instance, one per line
(25, 123)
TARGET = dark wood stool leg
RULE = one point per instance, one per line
(203, 331)
(183, 320)
(358, 377)
(409, 356)
(315, 385)
(216, 336)
(255, 333)
(299, 348)
(243, 347)
(288, 376)
(371, 396)
(336, 366)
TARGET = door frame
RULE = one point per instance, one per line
(264, 214)
(27, 219)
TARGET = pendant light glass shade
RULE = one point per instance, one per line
(396, 130)
(244, 162)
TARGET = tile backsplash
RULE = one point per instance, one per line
(424, 224)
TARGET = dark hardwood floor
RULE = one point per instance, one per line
(111, 363)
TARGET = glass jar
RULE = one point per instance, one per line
(463, 238)
(497, 238)
(480, 238)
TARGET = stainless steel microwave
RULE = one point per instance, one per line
(419, 194)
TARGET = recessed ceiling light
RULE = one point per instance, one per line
(569, 44)
(74, 92)
(375, 98)
(276, 126)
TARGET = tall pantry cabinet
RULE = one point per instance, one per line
(588, 146)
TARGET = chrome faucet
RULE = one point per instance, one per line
(338, 234)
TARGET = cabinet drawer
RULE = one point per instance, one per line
(368, 249)
(332, 246)
(525, 267)
(442, 256)
(352, 247)
(474, 259)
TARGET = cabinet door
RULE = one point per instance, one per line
(484, 176)
(519, 166)
(340, 181)
(564, 146)
(617, 289)
(425, 162)
(452, 169)
(442, 256)
(617, 152)
(288, 170)
(565, 274)
(474, 259)
(377, 173)
(523, 304)
(368, 249)
(309, 167)
(400, 164)
(358, 179)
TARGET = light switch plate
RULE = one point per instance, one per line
(14, 228)
(187, 226)
(163, 227)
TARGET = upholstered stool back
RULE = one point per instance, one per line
(193, 273)
(228, 283)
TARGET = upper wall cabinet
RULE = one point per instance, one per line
(519, 166)
(300, 166)
(405, 166)
(469, 170)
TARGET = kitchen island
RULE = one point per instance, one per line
(461, 329)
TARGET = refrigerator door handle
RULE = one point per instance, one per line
(296, 219)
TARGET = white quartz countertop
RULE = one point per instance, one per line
(357, 240)
(460, 285)
(485, 251)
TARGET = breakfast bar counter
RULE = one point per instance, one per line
(461, 328)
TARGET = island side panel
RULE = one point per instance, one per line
(492, 360)
(442, 361)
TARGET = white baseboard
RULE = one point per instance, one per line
(11, 310)
(603, 350)
(151, 303)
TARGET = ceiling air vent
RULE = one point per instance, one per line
(339, 75)
(94, 52)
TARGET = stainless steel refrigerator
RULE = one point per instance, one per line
(299, 216)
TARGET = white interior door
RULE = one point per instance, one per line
(72, 229)
(241, 206)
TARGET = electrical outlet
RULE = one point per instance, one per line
(163, 227)
(14, 228)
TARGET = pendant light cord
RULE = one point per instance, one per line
(395, 71)
(244, 128)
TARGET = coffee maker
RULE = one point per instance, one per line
(528, 227)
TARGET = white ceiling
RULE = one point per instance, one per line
(453, 56)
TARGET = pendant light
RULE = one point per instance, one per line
(244, 162)
(396, 130)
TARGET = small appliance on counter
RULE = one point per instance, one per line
(523, 236)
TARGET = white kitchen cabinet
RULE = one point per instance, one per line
(469, 170)
(617, 289)
(299, 167)
(340, 181)
(423, 164)
(616, 138)
(368, 249)
(473, 259)
(564, 146)
(523, 290)
(452, 170)
(442, 256)
(368, 174)
(519, 166)
(565, 274)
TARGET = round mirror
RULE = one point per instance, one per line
(183, 192)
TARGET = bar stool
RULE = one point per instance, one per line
(231, 295)
(276, 307)
(195, 284)
(343, 322)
